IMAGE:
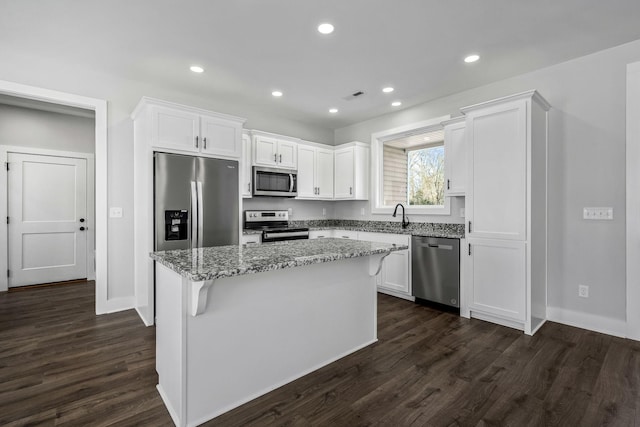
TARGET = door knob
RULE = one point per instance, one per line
(81, 219)
(81, 228)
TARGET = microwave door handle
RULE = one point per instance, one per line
(194, 216)
(290, 183)
(200, 216)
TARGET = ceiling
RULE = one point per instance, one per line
(251, 47)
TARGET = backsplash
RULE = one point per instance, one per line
(386, 226)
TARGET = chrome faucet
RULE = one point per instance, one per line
(405, 222)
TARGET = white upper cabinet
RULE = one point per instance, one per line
(220, 137)
(175, 129)
(351, 171)
(187, 129)
(315, 172)
(245, 166)
(455, 168)
(274, 151)
(496, 199)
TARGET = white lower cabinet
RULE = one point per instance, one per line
(251, 239)
(320, 234)
(346, 234)
(395, 275)
(497, 272)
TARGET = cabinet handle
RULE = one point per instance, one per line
(469, 226)
(196, 142)
(469, 249)
(204, 141)
(280, 158)
(351, 190)
(249, 187)
(275, 158)
(318, 191)
(448, 184)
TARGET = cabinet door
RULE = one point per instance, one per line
(287, 154)
(345, 234)
(455, 159)
(245, 177)
(395, 272)
(264, 151)
(220, 137)
(307, 188)
(344, 173)
(324, 173)
(497, 277)
(496, 197)
(175, 129)
(320, 234)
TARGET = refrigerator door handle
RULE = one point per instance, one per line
(200, 216)
(194, 216)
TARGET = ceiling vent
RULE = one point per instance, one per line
(353, 96)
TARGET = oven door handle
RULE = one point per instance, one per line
(267, 235)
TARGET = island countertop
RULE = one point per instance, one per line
(235, 260)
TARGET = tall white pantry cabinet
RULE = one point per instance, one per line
(506, 210)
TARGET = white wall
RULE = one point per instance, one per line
(25, 127)
(586, 168)
(122, 96)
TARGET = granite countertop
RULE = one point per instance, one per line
(234, 260)
(428, 229)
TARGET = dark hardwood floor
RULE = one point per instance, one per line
(62, 365)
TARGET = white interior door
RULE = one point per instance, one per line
(47, 206)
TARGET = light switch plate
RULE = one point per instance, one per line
(115, 212)
(598, 213)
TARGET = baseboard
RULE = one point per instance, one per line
(143, 317)
(396, 294)
(167, 403)
(119, 304)
(590, 322)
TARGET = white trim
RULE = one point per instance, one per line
(633, 201)
(4, 242)
(99, 106)
(377, 139)
(590, 322)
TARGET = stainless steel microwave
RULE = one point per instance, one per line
(274, 182)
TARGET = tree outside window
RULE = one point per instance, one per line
(426, 176)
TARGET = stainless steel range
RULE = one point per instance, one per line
(274, 226)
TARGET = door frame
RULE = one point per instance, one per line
(90, 185)
(633, 201)
(99, 106)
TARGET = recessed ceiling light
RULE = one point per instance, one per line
(325, 28)
(471, 58)
(387, 89)
(276, 93)
(427, 138)
(333, 110)
(396, 103)
(196, 69)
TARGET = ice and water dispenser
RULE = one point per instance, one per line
(176, 225)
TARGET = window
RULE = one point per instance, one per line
(409, 168)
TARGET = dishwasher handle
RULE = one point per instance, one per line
(433, 246)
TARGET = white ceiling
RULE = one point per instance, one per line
(251, 47)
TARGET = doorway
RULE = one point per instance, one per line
(99, 109)
(50, 224)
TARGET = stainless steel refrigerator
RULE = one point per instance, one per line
(196, 202)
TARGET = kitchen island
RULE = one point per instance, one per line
(235, 322)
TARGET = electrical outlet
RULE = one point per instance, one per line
(324, 211)
(362, 211)
(583, 291)
(115, 212)
(597, 213)
(290, 211)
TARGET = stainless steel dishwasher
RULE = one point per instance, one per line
(435, 269)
